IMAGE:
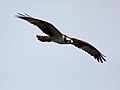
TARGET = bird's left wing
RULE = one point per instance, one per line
(89, 49)
(46, 27)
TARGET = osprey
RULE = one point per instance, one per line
(54, 35)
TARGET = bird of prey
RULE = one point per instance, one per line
(54, 35)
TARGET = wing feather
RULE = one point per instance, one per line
(89, 49)
(46, 27)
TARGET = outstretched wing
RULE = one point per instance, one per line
(89, 49)
(46, 27)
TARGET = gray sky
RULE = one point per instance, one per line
(27, 64)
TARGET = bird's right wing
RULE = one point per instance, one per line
(89, 49)
(46, 27)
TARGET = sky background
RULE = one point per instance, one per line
(27, 64)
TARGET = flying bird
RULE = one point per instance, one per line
(54, 35)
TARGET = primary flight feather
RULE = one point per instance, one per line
(53, 34)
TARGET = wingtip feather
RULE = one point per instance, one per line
(19, 15)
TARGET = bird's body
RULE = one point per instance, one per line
(54, 35)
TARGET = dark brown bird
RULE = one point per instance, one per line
(54, 35)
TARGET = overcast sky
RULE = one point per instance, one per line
(27, 64)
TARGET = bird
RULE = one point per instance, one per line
(54, 35)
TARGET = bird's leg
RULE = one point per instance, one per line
(44, 38)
